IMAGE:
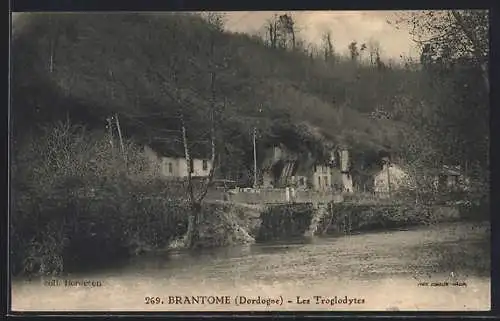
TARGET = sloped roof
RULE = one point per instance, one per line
(451, 170)
(175, 148)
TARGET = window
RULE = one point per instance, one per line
(170, 170)
(191, 166)
(301, 181)
(205, 164)
(315, 169)
(319, 181)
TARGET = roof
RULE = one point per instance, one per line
(173, 148)
(451, 170)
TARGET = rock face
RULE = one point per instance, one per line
(318, 216)
(224, 224)
(285, 221)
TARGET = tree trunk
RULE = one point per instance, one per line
(189, 237)
(121, 139)
(110, 132)
(195, 203)
(485, 74)
(213, 157)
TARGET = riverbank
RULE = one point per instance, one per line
(384, 269)
(80, 232)
(76, 231)
(78, 204)
(346, 218)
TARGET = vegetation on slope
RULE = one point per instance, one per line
(148, 67)
(152, 70)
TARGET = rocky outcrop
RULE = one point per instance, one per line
(319, 214)
(224, 224)
(285, 221)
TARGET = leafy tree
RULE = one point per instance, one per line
(454, 85)
(452, 34)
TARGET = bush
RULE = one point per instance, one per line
(76, 201)
(346, 218)
(285, 221)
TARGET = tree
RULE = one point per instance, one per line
(362, 50)
(327, 45)
(353, 51)
(460, 33)
(272, 29)
(455, 84)
(282, 32)
(195, 202)
(288, 30)
(216, 19)
(373, 50)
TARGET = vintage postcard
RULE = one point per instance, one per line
(250, 161)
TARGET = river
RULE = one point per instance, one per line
(372, 271)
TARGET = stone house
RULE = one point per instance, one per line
(278, 167)
(451, 178)
(173, 165)
(390, 178)
(283, 168)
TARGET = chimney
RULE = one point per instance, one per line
(344, 160)
(385, 163)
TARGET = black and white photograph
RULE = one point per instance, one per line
(249, 161)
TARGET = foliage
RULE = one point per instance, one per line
(107, 63)
(150, 69)
(284, 221)
(348, 218)
(454, 88)
(450, 34)
(75, 200)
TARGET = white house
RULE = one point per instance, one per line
(321, 177)
(347, 186)
(390, 178)
(176, 167)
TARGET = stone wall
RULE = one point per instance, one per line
(269, 196)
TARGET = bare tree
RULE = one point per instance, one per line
(272, 29)
(354, 51)
(373, 47)
(196, 202)
(328, 51)
(282, 32)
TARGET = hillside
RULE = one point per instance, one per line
(87, 67)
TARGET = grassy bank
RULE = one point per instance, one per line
(351, 217)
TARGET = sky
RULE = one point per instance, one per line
(345, 27)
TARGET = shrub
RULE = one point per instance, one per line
(76, 200)
(346, 218)
(285, 221)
